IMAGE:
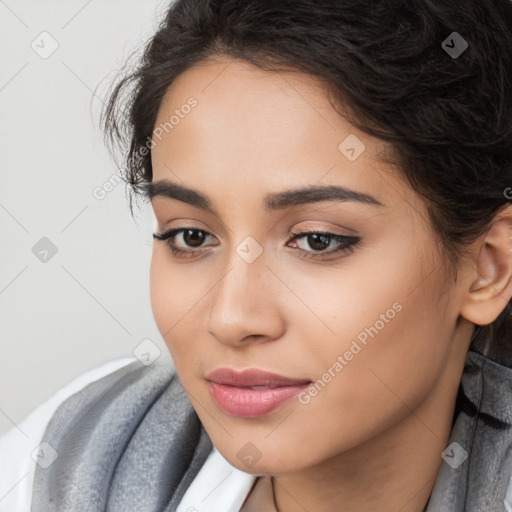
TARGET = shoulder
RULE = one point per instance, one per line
(21, 444)
(476, 473)
(130, 438)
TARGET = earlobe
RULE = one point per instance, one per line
(490, 287)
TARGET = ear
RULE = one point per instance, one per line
(490, 287)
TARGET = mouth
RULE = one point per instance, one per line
(252, 393)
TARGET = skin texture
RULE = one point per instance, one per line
(372, 438)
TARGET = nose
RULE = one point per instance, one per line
(245, 305)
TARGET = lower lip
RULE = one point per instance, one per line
(252, 403)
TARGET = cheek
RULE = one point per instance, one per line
(381, 343)
(174, 288)
(160, 292)
(173, 295)
(389, 328)
(391, 348)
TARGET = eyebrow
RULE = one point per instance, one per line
(272, 202)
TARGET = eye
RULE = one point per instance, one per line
(321, 240)
(191, 237)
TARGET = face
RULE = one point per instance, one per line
(342, 294)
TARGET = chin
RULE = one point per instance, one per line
(271, 461)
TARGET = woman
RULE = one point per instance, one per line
(331, 269)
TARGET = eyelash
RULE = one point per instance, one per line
(347, 244)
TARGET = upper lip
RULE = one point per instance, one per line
(251, 377)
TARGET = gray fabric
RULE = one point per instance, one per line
(129, 441)
(483, 428)
(132, 441)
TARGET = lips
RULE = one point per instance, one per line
(251, 393)
(252, 377)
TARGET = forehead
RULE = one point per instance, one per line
(262, 130)
(231, 80)
(254, 110)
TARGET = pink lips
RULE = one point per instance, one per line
(251, 393)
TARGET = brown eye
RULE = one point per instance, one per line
(194, 237)
(314, 244)
(184, 242)
(318, 242)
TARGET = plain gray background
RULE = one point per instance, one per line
(89, 302)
